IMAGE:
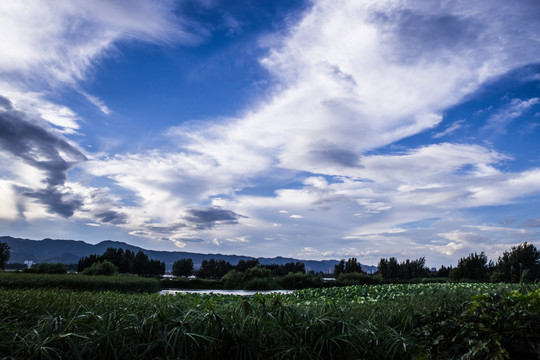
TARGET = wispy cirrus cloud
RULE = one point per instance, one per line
(498, 122)
(47, 45)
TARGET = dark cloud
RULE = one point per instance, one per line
(166, 228)
(191, 240)
(533, 223)
(209, 217)
(417, 36)
(43, 149)
(112, 217)
(56, 201)
(332, 154)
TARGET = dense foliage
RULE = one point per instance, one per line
(127, 262)
(4, 254)
(351, 266)
(390, 269)
(394, 321)
(216, 269)
(182, 267)
(522, 263)
(128, 284)
(472, 267)
(46, 268)
(104, 267)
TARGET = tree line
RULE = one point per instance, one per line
(521, 263)
(216, 269)
(122, 261)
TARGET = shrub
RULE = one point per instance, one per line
(257, 272)
(104, 267)
(233, 279)
(182, 267)
(356, 278)
(293, 281)
(261, 284)
(45, 268)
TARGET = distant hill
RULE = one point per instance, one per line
(70, 251)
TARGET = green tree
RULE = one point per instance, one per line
(339, 268)
(5, 254)
(156, 267)
(257, 272)
(46, 268)
(353, 266)
(521, 263)
(140, 263)
(472, 267)
(214, 269)
(388, 268)
(183, 267)
(243, 265)
(104, 267)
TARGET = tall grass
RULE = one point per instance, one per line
(377, 322)
(128, 284)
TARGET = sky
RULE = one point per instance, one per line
(316, 129)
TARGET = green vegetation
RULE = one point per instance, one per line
(183, 267)
(127, 284)
(45, 268)
(393, 321)
(126, 262)
(104, 267)
(4, 255)
(519, 264)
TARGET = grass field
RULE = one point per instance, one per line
(417, 321)
(127, 284)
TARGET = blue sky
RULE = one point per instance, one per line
(313, 129)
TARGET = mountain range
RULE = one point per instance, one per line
(70, 251)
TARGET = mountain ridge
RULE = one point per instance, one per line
(70, 251)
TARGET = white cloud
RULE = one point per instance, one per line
(450, 129)
(97, 102)
(60, 41)
(516, 108)
(354, 76)
(49, 44)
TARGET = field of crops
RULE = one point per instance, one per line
(420, 321)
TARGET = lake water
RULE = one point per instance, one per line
(223, 292)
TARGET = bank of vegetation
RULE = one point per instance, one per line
(393, 321)
(396, 314)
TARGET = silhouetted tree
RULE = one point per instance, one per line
(182, 267)
(339, 268)
(443, 271)
(243, 265)
(390, 269)
(5, 254)
(472, 267)
(156, 267)
(521, 263)
(284, 269)
(125, 262)
(140, 263)
(352, 266)
(213, 269)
